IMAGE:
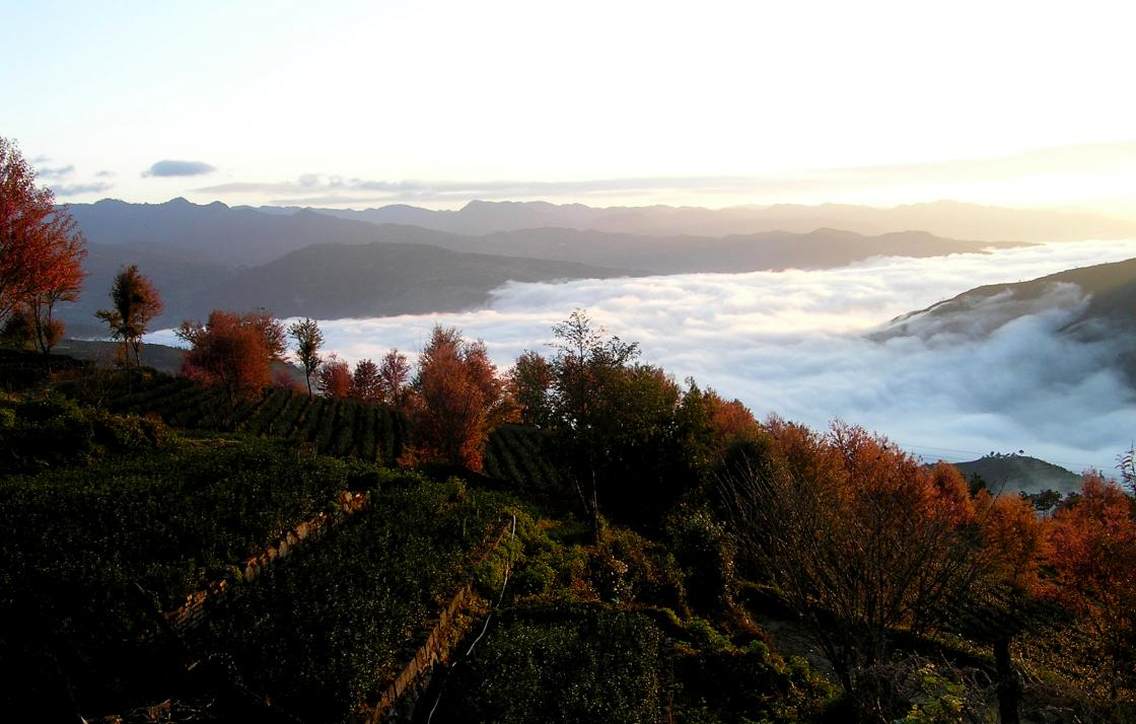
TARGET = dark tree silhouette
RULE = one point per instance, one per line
(366, 385)
(394, 374)
(134, 303)
(309, 339)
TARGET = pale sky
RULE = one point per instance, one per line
(708, 103)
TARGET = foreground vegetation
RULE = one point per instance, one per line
(579, 539)
(717, 601)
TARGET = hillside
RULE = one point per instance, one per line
(678, 254)
(945, 218)
(1099, 299)
(179, 275)
(1010, 473)
(328, 281)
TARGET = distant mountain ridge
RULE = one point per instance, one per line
(325, 281)
(942, 218)
(213, 232)
(302, 262)
(242, 236)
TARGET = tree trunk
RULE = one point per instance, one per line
(595, 509)
(1009, 687)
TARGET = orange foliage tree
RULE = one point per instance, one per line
(1093, 554)
(233, 352)
(861, 537)
(333, 378)
(458, 398)
(1014, 539)
(41, 249)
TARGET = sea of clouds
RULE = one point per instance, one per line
(796, 343)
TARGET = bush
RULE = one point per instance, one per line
(44, 432)
(129, 432)
(705, 556)
(52, 431)
(582, 666)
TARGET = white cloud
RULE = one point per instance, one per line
(794, 343)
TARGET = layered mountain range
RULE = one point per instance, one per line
(316, 263)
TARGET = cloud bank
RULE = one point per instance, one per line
(178, 168)
(796, 343)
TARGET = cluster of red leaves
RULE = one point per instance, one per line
(41, 250)
(1092, 551)
(458, 398)
(234, 352)
(383, 383)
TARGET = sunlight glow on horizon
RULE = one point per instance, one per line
(634, 103)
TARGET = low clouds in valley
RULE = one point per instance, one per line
(796, 343)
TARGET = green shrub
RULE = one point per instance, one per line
(705, 555)
(582, 666)
(627, 567)
(129, 432)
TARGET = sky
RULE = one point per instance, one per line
(709, 103)
(795, 343)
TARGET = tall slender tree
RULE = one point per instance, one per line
(134, 304)
(394, 373)
(309, 339)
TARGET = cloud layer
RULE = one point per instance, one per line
(795, 343)
(178, 168)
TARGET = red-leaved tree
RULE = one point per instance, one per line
(458, 398)
(333, 378)
(233, 352)
(1093, 552)
(41, 249)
